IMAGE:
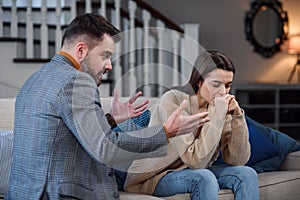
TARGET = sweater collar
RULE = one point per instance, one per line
(71, 59)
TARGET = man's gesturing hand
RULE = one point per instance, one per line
(178, 124)
(123, 111)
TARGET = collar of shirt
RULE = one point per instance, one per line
(72, 60)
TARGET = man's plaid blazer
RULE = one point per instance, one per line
(64, 147)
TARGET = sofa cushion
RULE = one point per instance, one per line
(279, 185)
(291, 162)
(133, 196)
(262, 147)
(285, 143)
(7, 108)
(282, 141)
(6, 143)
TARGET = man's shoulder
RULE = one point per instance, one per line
(48, 80)
(57, 72)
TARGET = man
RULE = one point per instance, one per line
(64, 146)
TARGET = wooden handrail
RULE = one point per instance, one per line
(125, 14)
(169, 23)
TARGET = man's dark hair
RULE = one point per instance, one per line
(91, 25)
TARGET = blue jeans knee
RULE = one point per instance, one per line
(201, 183)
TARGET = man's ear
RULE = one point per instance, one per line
(81, 51)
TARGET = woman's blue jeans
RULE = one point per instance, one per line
(205, 183)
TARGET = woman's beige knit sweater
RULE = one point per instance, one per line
(186, 151)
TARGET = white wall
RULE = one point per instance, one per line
(222, 28)
(13, 75)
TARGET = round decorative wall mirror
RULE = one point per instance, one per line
(266, 26)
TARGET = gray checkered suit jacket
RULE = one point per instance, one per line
(64, 147)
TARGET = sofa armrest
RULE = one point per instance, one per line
(292, 161)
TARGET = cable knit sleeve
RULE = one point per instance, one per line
(235, 141)
(165, 106)
(168, 103)
(201, 152)
(233, 134)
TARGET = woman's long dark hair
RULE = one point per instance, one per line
(205, 63)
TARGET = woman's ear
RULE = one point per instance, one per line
(199, 84)
(81, 51)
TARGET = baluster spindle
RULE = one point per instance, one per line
(132, 47)
(88, 6)
(117, 13)
(103, 7)
(1, 19)
(14, 19)
(73, 9)
(44, 31)
(160, 74)
(147, 87)
(190, 49)
(29, 31)
(117, 65)
(102, 11)
(139, 55)
(58, 33)
(175, 41)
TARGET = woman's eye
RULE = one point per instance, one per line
(216, 85)
(228, 86)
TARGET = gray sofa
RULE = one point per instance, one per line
(282, 184)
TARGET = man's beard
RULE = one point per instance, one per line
(85, 68)
(99, 83)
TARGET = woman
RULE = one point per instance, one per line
(188, 166)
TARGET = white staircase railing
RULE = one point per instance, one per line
(150, 59)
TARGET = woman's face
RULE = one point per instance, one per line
(216, 83)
